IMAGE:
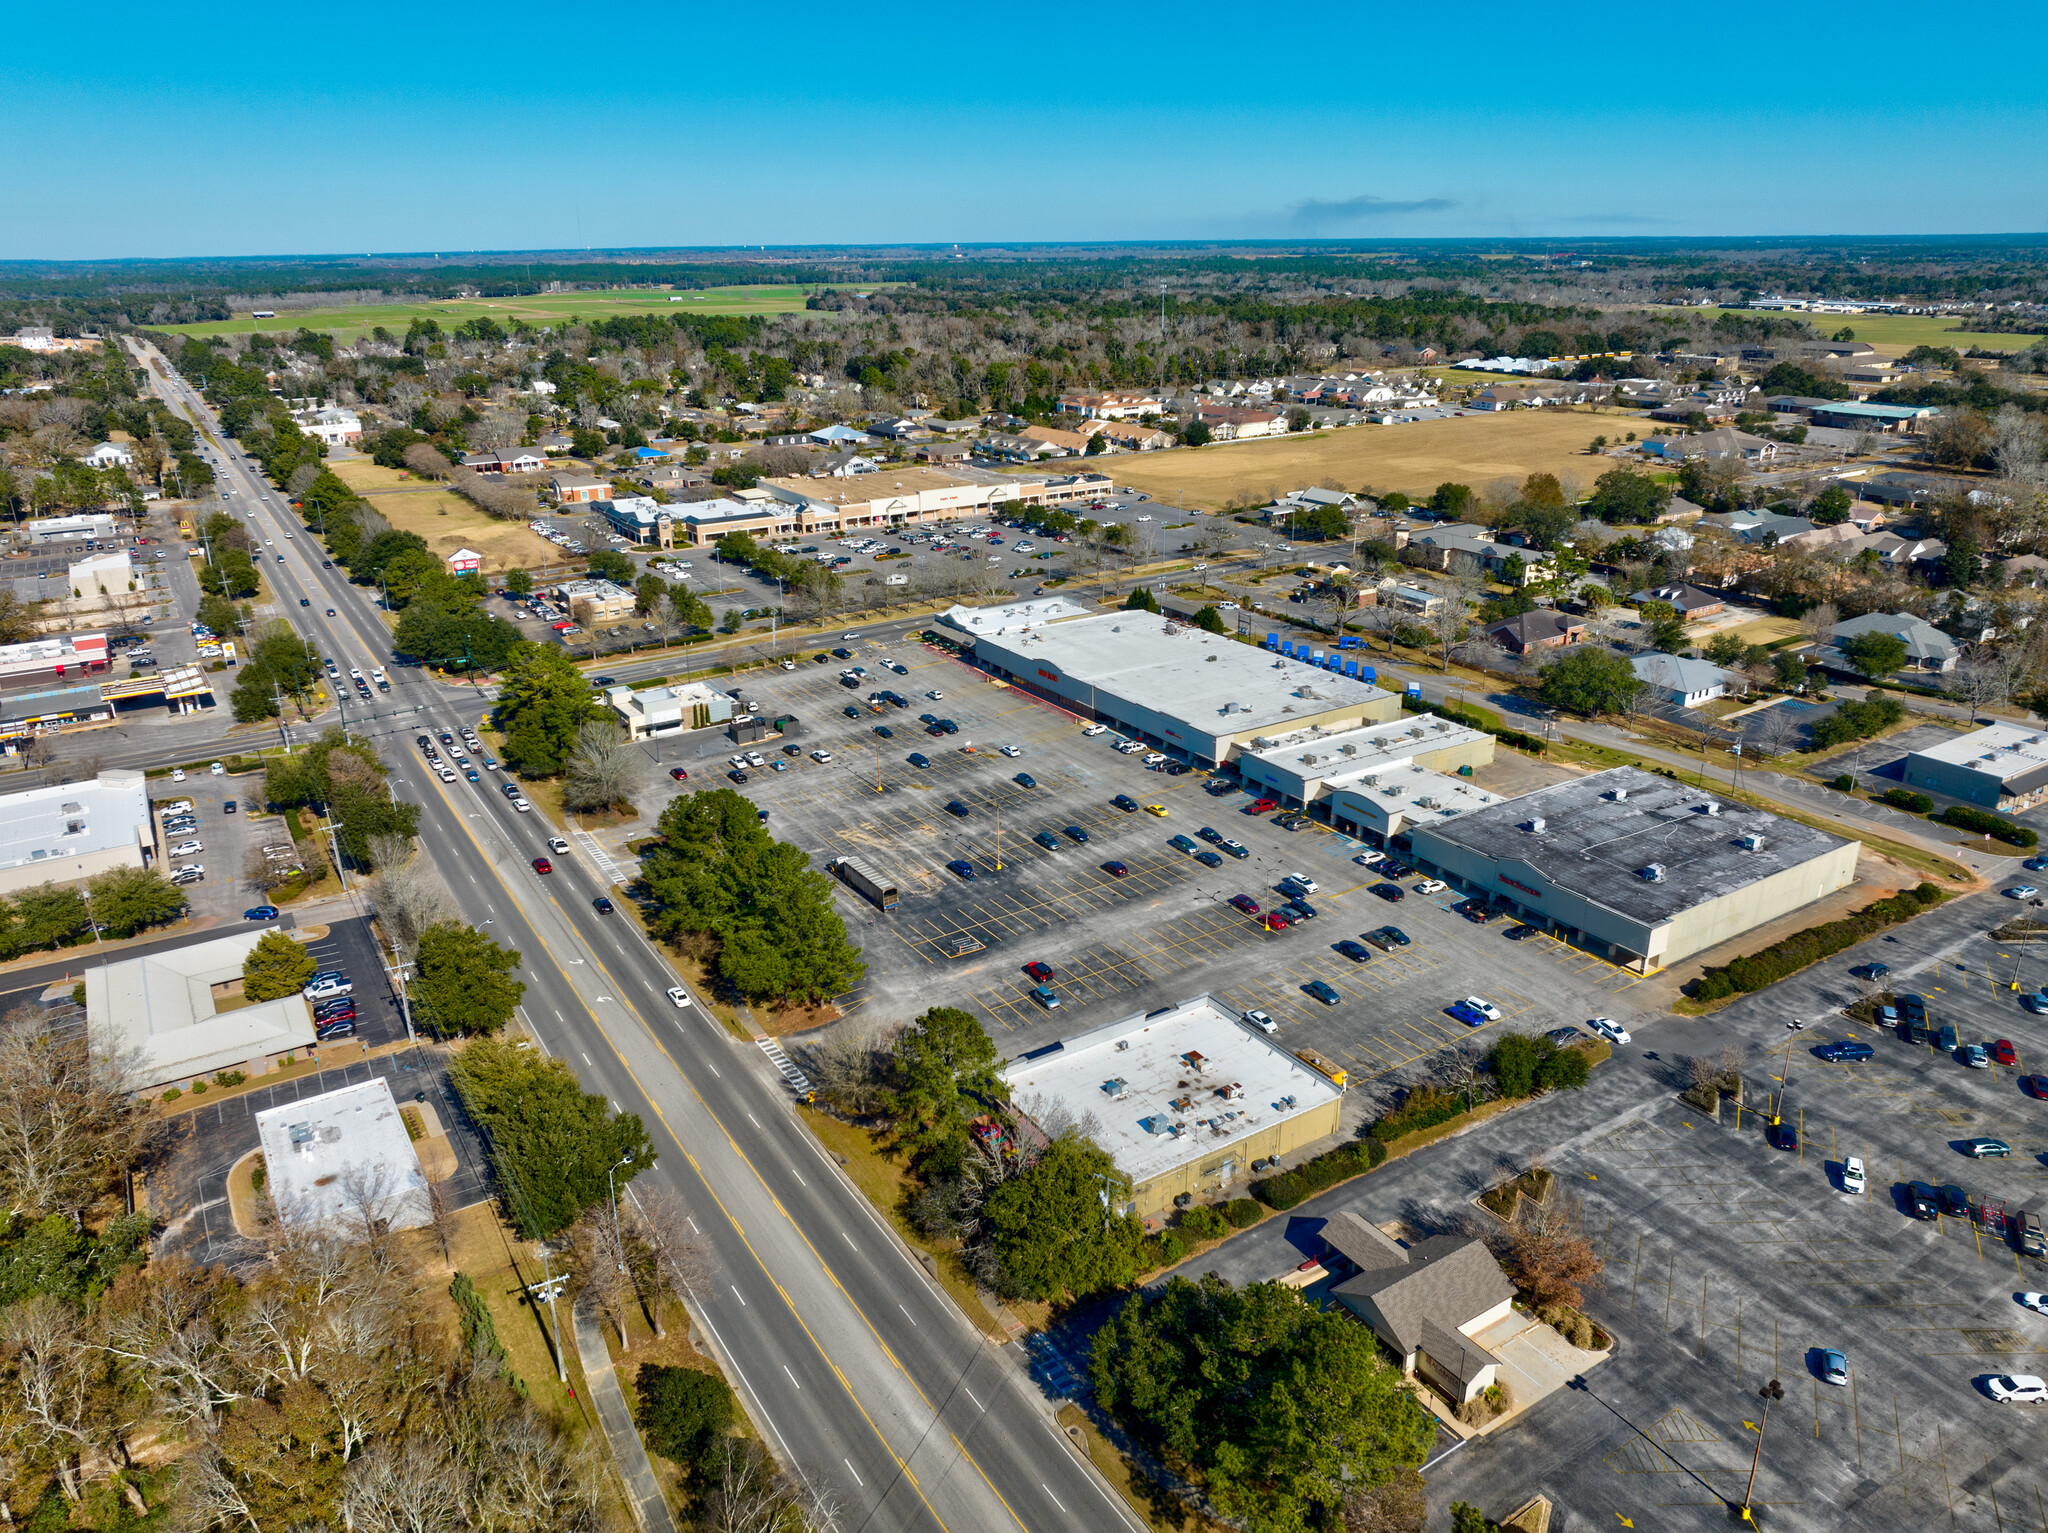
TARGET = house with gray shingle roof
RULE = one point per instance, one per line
(1427, 1302)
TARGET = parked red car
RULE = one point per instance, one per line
(679, 774)
(2003, 1052)
(1261, 806)
(1245, 903)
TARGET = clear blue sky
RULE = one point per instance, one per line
(233, 129)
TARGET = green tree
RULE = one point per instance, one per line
(1328, 523)
(519, 582)
(1211, 621)
(1056, 1228)
(1452, 500)
(1523, 1064)
(1788, 668)
(610, 564)
(1830, 508)
(649, 592)
(1667, 630)
(1726, 649)
(586, 443)
(1875, 654)
(542, 702)
(1590, 680)
(342, 778)
(464, 981)
(1622, 496)
(1141, 599)
(1196, 435)
(686, 1413)
(125, 900)
(551, 1142)
(1962, 564)
(277, 967)
(946, 1052)
(1280, 1408)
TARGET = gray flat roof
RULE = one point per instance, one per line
(1214, 683)
(1595, 845)
(2003, 751)
(73, 818)
(328, 1154)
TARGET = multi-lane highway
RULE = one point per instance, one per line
(854, 1365)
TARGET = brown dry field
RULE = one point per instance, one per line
(1415, 459)
(444, 519)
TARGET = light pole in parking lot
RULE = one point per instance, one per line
(1770, 1394)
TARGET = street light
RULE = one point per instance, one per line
(1770, 1394)
(617, 1235)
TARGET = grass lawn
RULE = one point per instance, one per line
(670, 1351)
(497, 1262)
(884, 1180)
(1155, 1508)
(1766, 630)
(1470, 449)
(449, 522)
(1893, 335)
(348, 321)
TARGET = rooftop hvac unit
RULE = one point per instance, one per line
(1195, 1061)
(1653, 874)
(1618, 794)
(1711, 807)
(1372, 779)
(1535, 825)
(1752, 842)
(1441, 725)
(1116, 1088)
(1309, 759)
(1349, 750)
(1123, 1045)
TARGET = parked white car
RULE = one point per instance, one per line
(1300, 881)
(1370, 859)
(177, 774)
(1431, 886)
(2017, 1389)
(1610, 1029)
(187, 849)
(1852, 1174)
(1484, 1007)
(1258, 1019)
(1096, 729)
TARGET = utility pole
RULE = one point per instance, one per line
(284, 729)
(546, 1290)
(1769, 1394)
(334, 840)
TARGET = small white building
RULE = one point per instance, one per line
(1687, 683)
(103, 575)
(662, 710)
(111, 455)
(342, 1156)
(331, 426)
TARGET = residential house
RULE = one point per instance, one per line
(1229, 423)
(2024, 570)
(575, 490)
(1897, 552)
(840, 436)
(1896, 488)
(1875, 370)
(943, 452)
(1462, 549)
(1017, 449)
(1691, 409)
(670, 478)
(1120, 406)
(1724, 443)
(1541, 629)
(513, 460)
(1927, 647)
(1687, 683)
(556, 443)
(1505, 396)
(1690, 601)
(1131, 436)
(1765, 527)
(845, 465)
(110, 455)
(1426, 1302)
(900, 428)
(1391, 593)
(1072, 443)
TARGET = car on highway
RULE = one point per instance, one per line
(1610, 1029)
(1116, 869)
(1391, 893)
(1323, 991)
(260, 913)
(304, 603)
(962, 869)
(1847, 1051)
(542, 865)
(1983, 1148)
(1355, 951)
(1834, 1367)
(1260, 1020)
(2016, 1389)
(2002, 1052)
(601, 905)
(678, 995)
(1074, 833)
(1245, 903)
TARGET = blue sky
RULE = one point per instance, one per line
(239, 129)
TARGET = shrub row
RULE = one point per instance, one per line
(1986, 824)
(1753, 971)
(1424, 1107)
(1325, 1171)
(1907, 799)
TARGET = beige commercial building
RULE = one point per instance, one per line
(75, 831)
(1375, 781)
(1184, 1099)
(1637, 868)
(161, 1014)
(1201, 696)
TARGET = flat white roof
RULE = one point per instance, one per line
(74, 818)
(1156, 1085)
(1215, 684)
(1997, 750)
(1338, 758)
(1012, 617)
(1418, 796)
(325, 1153)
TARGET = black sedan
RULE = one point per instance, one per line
(957, 809)
(1355, 951)
(1391, 893)
(885, 731)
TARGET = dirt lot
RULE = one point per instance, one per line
(443, 518)
(1471, 449)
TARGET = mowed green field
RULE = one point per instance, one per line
(348, 322)
(1893, 335)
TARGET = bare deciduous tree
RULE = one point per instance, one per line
(407, 896)
(750, 1496)
(1551, 1254)
(668, 1261)
(70, 1121)
(600, 769)
(600, 1267)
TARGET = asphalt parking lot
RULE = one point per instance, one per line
(1731, 1260)
(1117, 944)
(225, 840)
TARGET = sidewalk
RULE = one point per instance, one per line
(650, 1507)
